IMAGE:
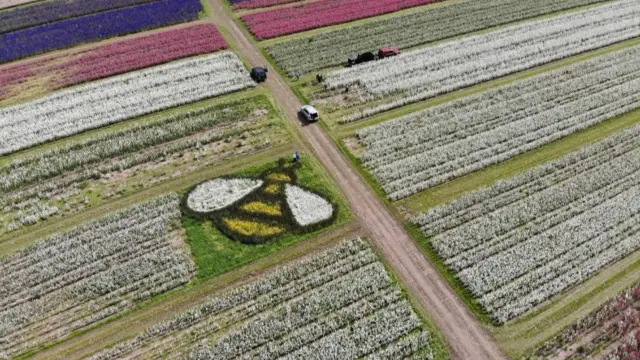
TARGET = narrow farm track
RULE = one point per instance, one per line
(467, 338)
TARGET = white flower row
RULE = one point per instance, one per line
(443, 68)
(525, 239)
(120, 98)
(66, 282)
(427, 148)
(307, 207)
(297, 306)
(219, 193)
(405, 347)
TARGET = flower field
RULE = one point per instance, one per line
(120, 98)
(277, 22)
(526, 239)
(107, 60)
(74, 31)
(426, 25)
(46, 12)
(453, 65)
(72, 280)
(339, 304)
(34, 187)
(427, 148)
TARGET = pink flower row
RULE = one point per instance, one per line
(109, 60)
(10, 3)
(282, 21)
(254, 4)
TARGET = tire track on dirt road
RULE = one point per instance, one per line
(467, 338)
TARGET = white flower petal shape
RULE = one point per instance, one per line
(307, 207)
(220, 193)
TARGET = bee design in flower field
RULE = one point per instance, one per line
(257, 210)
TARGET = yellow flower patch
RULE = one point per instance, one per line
(272, 189)
(279, 177)
(260, 207)
(249, 228)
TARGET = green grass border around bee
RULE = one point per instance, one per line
(215, 253)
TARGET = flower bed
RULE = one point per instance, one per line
(69, 281)
(277, 22)
(254, 211)
(71, 32)
(120, 98)
(338, 304)
(526, 239)
(107, 60)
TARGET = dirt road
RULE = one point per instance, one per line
(467, 338)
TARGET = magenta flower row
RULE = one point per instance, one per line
(111, 59)
(282, 21)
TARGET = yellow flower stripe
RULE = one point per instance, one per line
(272, 189)
(260, 207)
(279, 177)
(249, 228)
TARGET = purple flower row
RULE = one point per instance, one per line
(41, 13)
(71, 32)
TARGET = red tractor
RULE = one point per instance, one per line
(386, 52)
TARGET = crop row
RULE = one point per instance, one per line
(339, 302)
(282, 21)
(456, 64)
(254, 4)
(107, 60)
(51, 11)
(525, 239)
(210, 132)
(120, 98)
(407, 30)
(69, 281)
(427, 148)
(71, 32)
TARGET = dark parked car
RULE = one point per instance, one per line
(362, 58)
(259, 74)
